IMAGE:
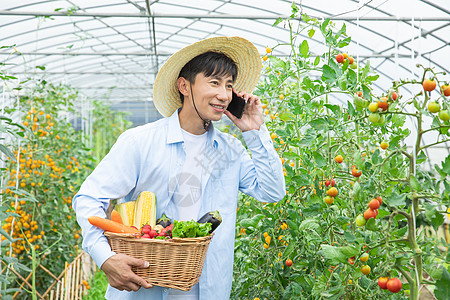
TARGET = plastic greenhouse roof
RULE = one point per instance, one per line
(116, 47)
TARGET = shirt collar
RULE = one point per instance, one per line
(176, 136)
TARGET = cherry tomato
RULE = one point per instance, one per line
(329, 200)
(360, 221)
(369, 213)
(332, 192)
(434, 107)
(365, 270)
(380, 199)
(364, 257)
(394, 285)
(382, 281)
(374, 204)
(355, 172)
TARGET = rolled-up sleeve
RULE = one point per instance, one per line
(261, 175)
(113, 178)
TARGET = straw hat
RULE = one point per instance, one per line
(165, 90)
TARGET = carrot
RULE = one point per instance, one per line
(115, 216)
(111, 226)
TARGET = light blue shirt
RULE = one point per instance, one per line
(149, 158)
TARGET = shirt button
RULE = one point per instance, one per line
(165, 290)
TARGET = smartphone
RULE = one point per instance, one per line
(237, 106)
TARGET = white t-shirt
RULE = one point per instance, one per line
(187, 196)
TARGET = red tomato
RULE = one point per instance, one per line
(355, 172)
(379, 199)
(374, 204)
(289, 262)
(394, 285)
(370, 213)
(382, 281)
(332, 192)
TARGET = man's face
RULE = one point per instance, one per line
(212, 95)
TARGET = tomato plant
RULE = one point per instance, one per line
(326, 240)
(43, 171)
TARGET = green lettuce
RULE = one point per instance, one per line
(190, 229)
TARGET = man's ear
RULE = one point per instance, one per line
(183, 86)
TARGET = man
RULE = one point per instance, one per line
(190, 166)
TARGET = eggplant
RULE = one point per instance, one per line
(212, 217)
(164, 221)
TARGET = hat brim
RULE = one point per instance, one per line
(166, 96)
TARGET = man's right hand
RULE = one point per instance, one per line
(120, 275)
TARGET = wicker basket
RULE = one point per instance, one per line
(176, 263)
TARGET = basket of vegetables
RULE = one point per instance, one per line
(175, 251)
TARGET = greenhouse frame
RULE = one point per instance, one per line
(355, 98)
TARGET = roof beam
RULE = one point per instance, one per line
(206, 16)
(47, 53)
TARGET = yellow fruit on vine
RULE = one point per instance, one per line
(373, 107)
(364, 257)
(384, 145)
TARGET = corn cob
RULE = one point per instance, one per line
(145, 210)
(126, 211)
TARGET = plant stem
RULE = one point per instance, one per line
(430, 145)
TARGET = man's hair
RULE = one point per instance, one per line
(210, 64)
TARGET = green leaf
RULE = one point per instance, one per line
(421, 157)
(317, 60)
(372, 77)
(349, 237)
(278, 21)
(304, 49)
(334, 108)
(443, 286)
(356, 191)
(294, 8)
(320, 160)
(371, 225)
(352, 76)
(376, 158)
(319, 124)
(358, 160)
(253, 222)
(287, 116)
(5, 234)
(312, 210)
(446, 165)
(291, 155)
(311, 32)
(415, 185)
(396, 200)
(324, 25)
(309, 224)
(329, 75)
(366, 92)
(307, 82)
(290, 248)
(7, 152)
(434, 216)
(344, 42)
(307, 140)
(351, 109)
(338, 254)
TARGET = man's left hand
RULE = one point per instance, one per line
(252, 118)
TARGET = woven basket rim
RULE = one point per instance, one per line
(134, 237)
